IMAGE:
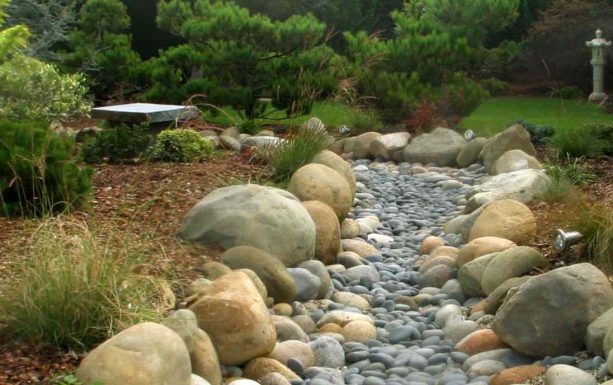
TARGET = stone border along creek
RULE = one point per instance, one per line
(397, 309)
(411, 347)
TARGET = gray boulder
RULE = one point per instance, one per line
(510, 263)
(385, 146)
(549, 314)
(279, 283)
(307, 284)
(513, 138)
(252, 215)
(523, 186)
(596, 332)
(471, 273)
(496, 298)
(470, 153)
(440, 147)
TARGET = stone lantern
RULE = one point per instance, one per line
(598, 46)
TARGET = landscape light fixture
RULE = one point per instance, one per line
(564, 240)
(469, 135)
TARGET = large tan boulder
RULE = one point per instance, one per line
(549, 314)
(385, 146)
(252, 215)
(482, 246)
(201, 350)
(361, 144)
(327, 230)
(144, 354)
(507, 219)
(316, 182)
(470, 153)
(279, 283)
(515, 160)
(233, 314)
(338, 164)
(513, 138)
(440, 147)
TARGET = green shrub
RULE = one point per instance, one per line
(38, 175)
(539, 134)
(568, 92)
(119, 144)
(75, 288)
(33, 90)
(364, 120)
(299, 149)
(249, 126)
(495, 87)
(182, 145)
(461, 95)
(585, 140)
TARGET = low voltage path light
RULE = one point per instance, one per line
(469, 135)
(562, 240)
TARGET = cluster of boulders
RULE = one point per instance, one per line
(350, 277)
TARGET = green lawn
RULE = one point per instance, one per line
(332, 114)
(495, 114)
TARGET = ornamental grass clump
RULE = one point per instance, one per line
(74, 288)
(299, 149)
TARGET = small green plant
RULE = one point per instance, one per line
(249, 126)
(364, 120)
(118, 144)
(595, 222)
(585, 140)
(76, 288)
(182, 145)
(70, 379)
(299, 149)
(540, 134)
(38, 173)
(572, 170)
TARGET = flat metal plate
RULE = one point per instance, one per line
(144, 112)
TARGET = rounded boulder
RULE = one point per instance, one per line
(253, 215)
(327, 231)
(321, 183)
(279, 283)
(144, 354)
(549, 314)
(507, 219)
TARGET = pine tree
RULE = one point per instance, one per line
(237, 58)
